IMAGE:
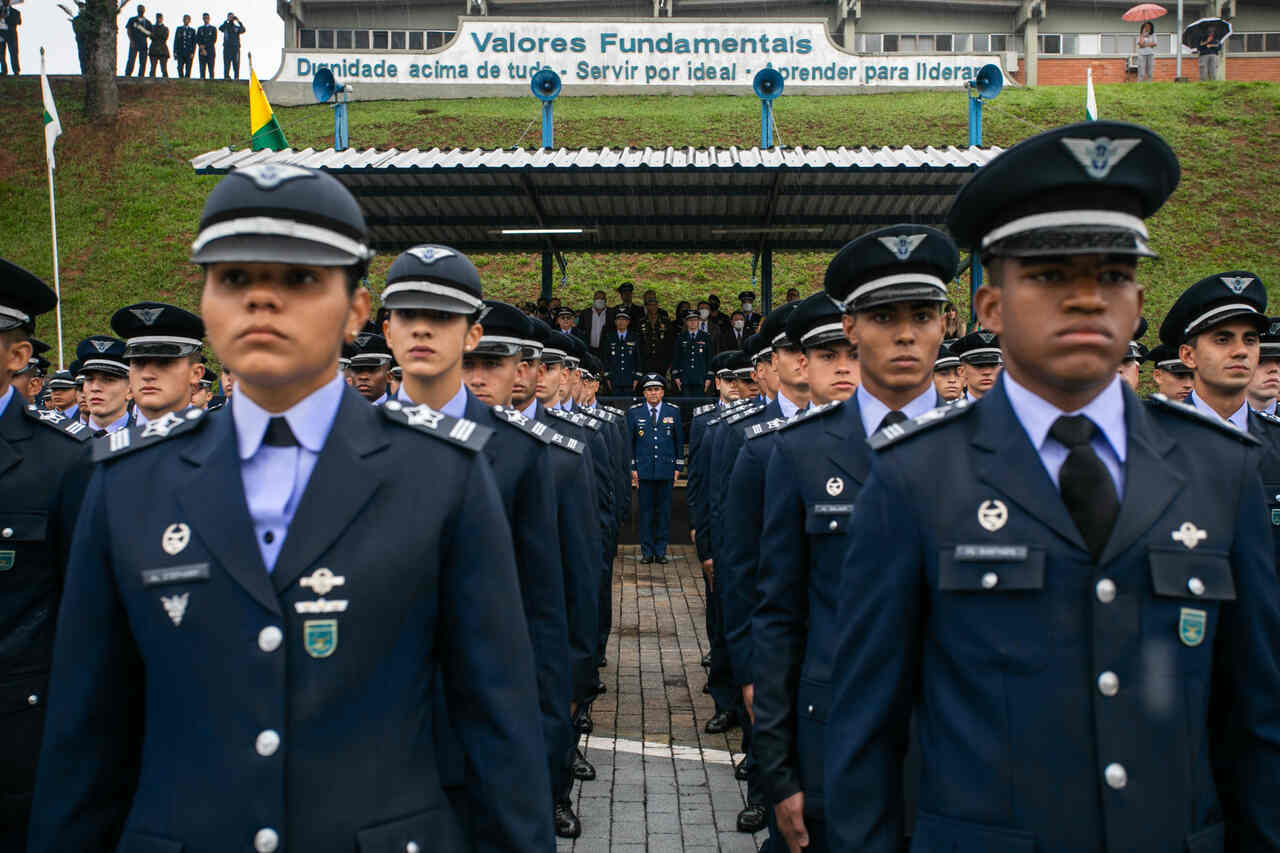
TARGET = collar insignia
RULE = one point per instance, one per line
(903, 245)
(1099, 156)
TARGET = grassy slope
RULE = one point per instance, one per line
(128, 201)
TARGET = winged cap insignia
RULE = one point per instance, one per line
(431, 254)
(146, 315)
(987, 337)
(1099, 156)
(903, 245)
(362, 339)
(101, 346)
(268, 176)
(1236, 283)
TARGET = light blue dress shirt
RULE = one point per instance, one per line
(275, 478)
(1266, 410)
(1105, 410)
(455, 408)
(5, 398)
(140, 419)
(1239, 418)
(788, 408)
(531, 411)
(115, 426)
(873, 411)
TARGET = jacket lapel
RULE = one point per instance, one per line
(14, 427)
(213, 501)
(341, 471)
(1009, 464)
(1149, 484)
(849, 450)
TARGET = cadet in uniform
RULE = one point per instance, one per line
(1264, 388)
(946, 375)
(1172, 377)
(319, 554)
(892, 285)
(1059, 612)
(657, 442)
(622, 355)
(106, 383)
(691, 368)
(162, 349)
(29, 381)
(370, 367)
(62, 393)
(980, 360)
(43, 471)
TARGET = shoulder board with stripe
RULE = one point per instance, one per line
(1268, 418)
(513, 418)
(53, 419)
(897, 432)
(576, 419)
(636, 406)
(812, 412)
(425, 419)
(564, 441)
(129, 439)
(600, 414)
(672, 405)
(702, 410)
(615, 411)
(771, 425)
(744, 413)
(1163, 403)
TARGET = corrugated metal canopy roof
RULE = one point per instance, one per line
(633, 199)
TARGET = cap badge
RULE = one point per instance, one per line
(362, 339)
(1188, 534)
(101, 346)
(903, 244)
(431, 254)
(146, 315)
(1275, 328)
(268, 176)
(175, 538)
(322, 581)
(176, 606)
(1236, 283)
(987, 337)
(1099, 156)
(993, 515)
(835, 486)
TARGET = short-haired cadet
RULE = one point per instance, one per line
(42, 479)
(62, 393)
(1084, 619)
(370, 367)
(891, 285)
(162, 349)
(1172, 377)
(264, 630)
(1264, 388)
(980, 361)
(946, 375)
(106, 383)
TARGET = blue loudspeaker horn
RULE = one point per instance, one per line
(767, 84)
(545, 85)
(989, 82)
(326, 88)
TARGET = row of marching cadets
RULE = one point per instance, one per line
(316, 623)
(1037, 614)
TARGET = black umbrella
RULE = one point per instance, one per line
(1195, 33)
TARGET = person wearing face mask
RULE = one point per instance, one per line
(595, 323)
(749, 314)
(737, 335)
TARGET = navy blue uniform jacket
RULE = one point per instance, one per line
(151, 738)
(985, 608)
(656, 448)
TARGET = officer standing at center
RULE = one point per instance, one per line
(657, 443)
(1087, 617)
(243, 558)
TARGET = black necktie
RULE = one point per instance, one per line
(894, 417)
(279, 434)
(654, 415)
(1085, 484)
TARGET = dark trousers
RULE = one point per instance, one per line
(654, 516)
(206, 67)
(229, 59)
(163, 62)
(720, 673)
(140, 53)
(9, 45)
(184, 66)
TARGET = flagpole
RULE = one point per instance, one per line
(53, 224)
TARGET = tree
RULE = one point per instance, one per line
(94, 23)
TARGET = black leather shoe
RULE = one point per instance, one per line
(706, 689)
(648, 558)
(706, 661)
(583, 725)
(583, 770)
(664, 559)
(740, 771)
(568, 825)
(751, 819)
(721, 723)
(601, 689)
(604, 661)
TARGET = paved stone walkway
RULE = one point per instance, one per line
(662, 783)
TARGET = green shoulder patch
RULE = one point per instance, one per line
(127, 440)
(771, 425)
(424, 419)
(513, 418)
(53, 419)
(897, 432)
(1162, 403)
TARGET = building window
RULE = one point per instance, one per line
(960, 42)
(1273, 43)
(324, 39)
(890, 43)
(397, 39)
(981, 42)
(943, 43)
(871, 43)
(343, 39)
(1050, 44)
(307, 39)
(362, 39)
(379, 39)
(415, 40)
(999, 42)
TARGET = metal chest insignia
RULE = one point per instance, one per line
(6, 560)
(992, 515)
(1191, 625)
(1275, 517)
(835, 486)
(320, 637)
(175, 606)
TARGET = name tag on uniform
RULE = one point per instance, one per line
(991, 553)
(833, 509)
(176, 574)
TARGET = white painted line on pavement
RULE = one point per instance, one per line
(662, 750)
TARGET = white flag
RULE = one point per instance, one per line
(1090, 102)
(52, 126)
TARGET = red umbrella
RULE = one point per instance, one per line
(1144, 12)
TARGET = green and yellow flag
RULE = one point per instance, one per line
(262, 122)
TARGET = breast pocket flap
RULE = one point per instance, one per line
(990, 568)
(1186, 574)
(827, 518)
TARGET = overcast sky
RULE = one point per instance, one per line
(44, 24)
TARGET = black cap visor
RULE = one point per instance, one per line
(271, 249)
(1224, 314)
(159, 348)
